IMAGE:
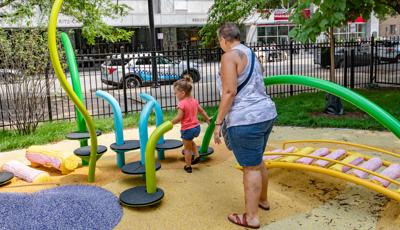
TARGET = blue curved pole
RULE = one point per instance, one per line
(118, 126)
(143, 132)
(159, 119)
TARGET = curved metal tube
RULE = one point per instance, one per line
(118, 125)
(357, 100)
(150, 159)
(143, 132)
(158, 111)
(75, 79)
(55, 61)
(207, 136)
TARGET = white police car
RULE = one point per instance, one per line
(138, 70)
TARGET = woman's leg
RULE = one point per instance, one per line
(264, 189)
(252, 180)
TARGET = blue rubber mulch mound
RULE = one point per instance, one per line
(64, 207)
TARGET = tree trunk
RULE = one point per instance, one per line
(332, 76)
(333, 104)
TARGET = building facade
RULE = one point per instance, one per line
(176, 22)
(275, 28)
(390, 27)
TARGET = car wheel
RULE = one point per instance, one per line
(194, 75)
(132, 82)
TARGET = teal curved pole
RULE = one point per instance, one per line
(118, 125)
(159, 119)
(76, 84)
(379, 114)
(143, 132)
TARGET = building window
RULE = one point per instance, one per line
(273, 34)
(351, 31)
(392, 29)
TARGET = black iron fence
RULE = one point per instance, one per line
(125, 74)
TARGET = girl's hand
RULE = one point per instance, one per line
(208, 120)
(217, 134)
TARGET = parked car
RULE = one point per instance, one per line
(270, 54)
(388, 51)
(362, 56)
(9, 75)
(138, 70)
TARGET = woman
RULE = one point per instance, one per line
(249, 115)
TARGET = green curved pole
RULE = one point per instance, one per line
(379, 114)
(150, 162)
(76, 84)
(55, 61)
(207, 136)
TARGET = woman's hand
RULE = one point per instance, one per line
(217, 134)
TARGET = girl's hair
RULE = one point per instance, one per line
(184, 84)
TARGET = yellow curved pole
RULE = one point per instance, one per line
(368, 184)
(343, 143)
(55, 61)
(330, 170)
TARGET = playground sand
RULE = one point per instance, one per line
(203, 199)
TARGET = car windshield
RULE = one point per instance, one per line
(117, 61)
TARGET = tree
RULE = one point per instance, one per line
(88, 12)
(328, 14)
(24, 78)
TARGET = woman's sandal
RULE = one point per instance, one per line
(241, 221)
(263, 207)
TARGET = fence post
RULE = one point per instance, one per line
(352, 68)
(371, 66)
(187, 56)
(123, 79)
(46, 74)
(345, 69)
(291, 64)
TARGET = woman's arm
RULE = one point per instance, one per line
(229, 88)
(178, 117)
(229, 84)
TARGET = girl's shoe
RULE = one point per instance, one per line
(196, 160)
(188, 169)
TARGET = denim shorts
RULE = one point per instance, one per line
(190, 134)
(248, 142)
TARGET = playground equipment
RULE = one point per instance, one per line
(141, 196)
(340, 165)
(120, 146)
(25, 172)
(93, 152)
(138, 167)
(360, 168)
(5, 178)
(81, 135)
(64, 162)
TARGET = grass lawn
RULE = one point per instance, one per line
(300, 110)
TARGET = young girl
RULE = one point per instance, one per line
(188, 108)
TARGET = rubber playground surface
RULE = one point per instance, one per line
(203, 199)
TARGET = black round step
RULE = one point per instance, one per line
(80, 135)
(169, 144)
(85, 151)
(127, 146)
(138, 197)
(136, 168)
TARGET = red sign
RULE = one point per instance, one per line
(281, 15)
